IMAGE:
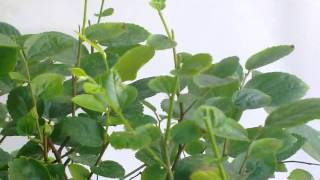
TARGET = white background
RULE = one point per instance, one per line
(220, 27)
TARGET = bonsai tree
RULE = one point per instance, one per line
(63, 93)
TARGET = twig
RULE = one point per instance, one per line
(2, 139)
(135, 176)
(180, 150)
(104, 148)
(63, 144)
(134, 171)
(301, 162)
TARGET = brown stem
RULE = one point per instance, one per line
(63, 144)
(134, 171)
(180, 150)
(2, 139)
(104, 148)
(301, 162)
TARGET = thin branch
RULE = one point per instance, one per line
(177, 158)
(134, 171)
(135, 176)
(63, 144)
(2, 139)
(104, 148)
(301, 162)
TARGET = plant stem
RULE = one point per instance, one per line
(104, 148)
(2, 139)
(214, 147)
(34, 101)
(164, 24)
(134, 171)
(100, 12)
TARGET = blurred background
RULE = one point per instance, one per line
(221, 28)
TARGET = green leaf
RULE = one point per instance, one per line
(299, 174)
(184, 132)
(8, 30)
(93, 64)
(24, 169)
(106, 12)
(90, 102)
(104, 32)
(196, 64)
(312, 144)
(8, 60)
(78, 172)
(81, 131)
(205, 175)
(282, 87)
(195, 147)
(250, 99)
(78, 72)
(129, 64)
(31, 149)
(48, 85)
(209, 81)
(56, 171)
(27, 124)
(53, 45)
(295, 113)
(221, 125)
(160, 42)
(142, 87)
(109, 169)
(226, 105)
(5, 158)
(6, 41)
(158, 4)
(229, 66)
(165, 84)
(268, 56)
(154, 172)
(18, 76)
(189, 165)
(117, 34)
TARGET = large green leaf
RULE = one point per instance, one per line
(48, 85)
(189, 165)
(184, 132)
(93, 64)
(6, 41)
(27, 169)
(53, 45)
(129, 64)
(8, 60)
(312, 144)
(90, 102)
(206, 175)
(229, 66)
(209, 81)
(109, 169)
(268, 56)
(300, 174)
(5, 158)
(125, 34)
(8, 30)
(154, 172)
(295, 113)
(27, 124)
(160, 42)
(81, 131)
(142, 87)
(164, 84)
(78, 172)
(196, 64)
(250, 99)
(281, 87)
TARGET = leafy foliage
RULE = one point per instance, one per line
(73, 105)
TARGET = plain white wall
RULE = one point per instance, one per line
(222, 28)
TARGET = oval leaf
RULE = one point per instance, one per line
(109, 169)
(160, 42)
(250, 99)
(23, 168)
(165, 84)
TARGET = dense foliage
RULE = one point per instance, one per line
(64, 93)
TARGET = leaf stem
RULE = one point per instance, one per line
(100, 12)
(134, 171)
(214, 146)
(2, 139)
(164, 23)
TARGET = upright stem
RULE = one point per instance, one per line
(100, 12)
(34, 101)
(214, 147)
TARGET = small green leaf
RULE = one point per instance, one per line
(106, 12)
(93, 64)
(129, 64)
(23, 168)
(5, 158)
(205, 175)
(300, 174)
(90, 102)
(160, 42)
(184, 132)
(227, 67)
(7, 42)
(250, 99)
(109, 169)
(48, 85)
(281, 87)
(164, 84)
(8, 30)
(209, 81)
(78, 172)
(154, 172)
(295, 113)
(81, 131)
(78, 72)
(268, 56)
(196, 64)
(195, 147)
(27, 124)
(105, 31)
(158, 4)
(18, 76)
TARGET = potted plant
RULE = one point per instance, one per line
(64, 93)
